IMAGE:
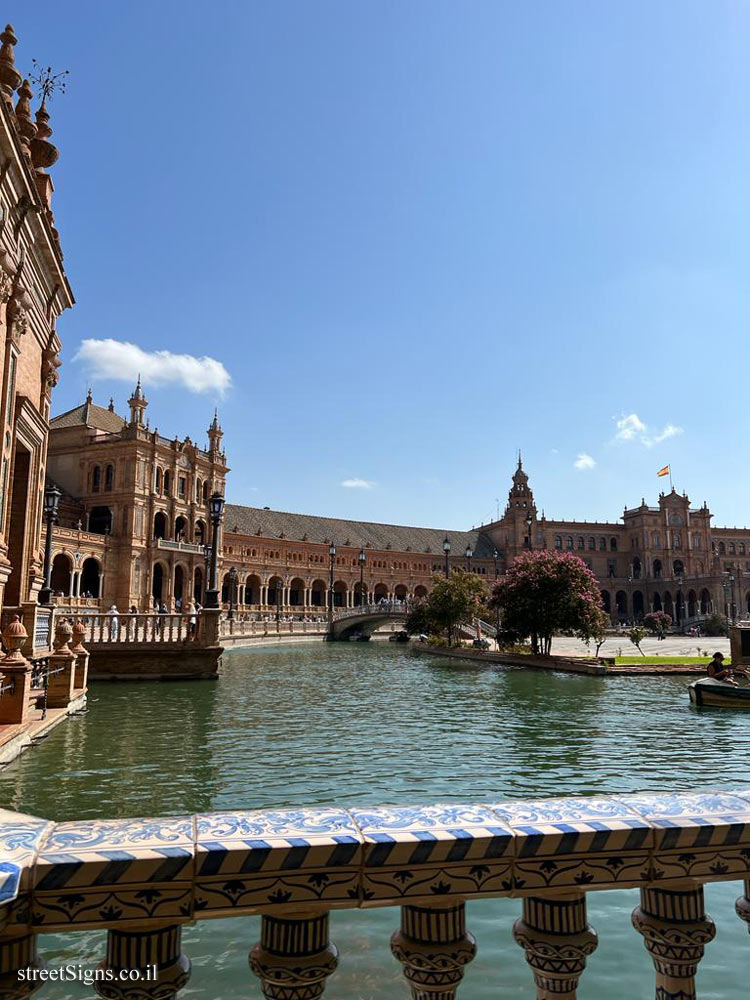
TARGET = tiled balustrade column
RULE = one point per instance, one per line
(294, 956)
(742, 905)
(15, 675)
(18, 952)
(433, 946)
(156, 953)
(675, 929)
(62, 667)
(557, 940)
(82, 656)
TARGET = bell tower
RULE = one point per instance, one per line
(215, 434)
(520, 513)
(137, 404)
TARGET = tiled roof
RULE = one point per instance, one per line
(90, 415)
(311, 528)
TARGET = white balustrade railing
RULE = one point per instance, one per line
(121, 629)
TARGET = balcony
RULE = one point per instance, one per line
(167, 543)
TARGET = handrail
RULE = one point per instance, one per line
(294, 865)
(387, 608)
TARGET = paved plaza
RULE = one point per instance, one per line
(620, 645)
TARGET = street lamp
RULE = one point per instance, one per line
(232, 585)
(51, 501)
(332, 554)
(447, 550)
(362, 559)
(207, 560)
(468, 555)
(680, 580)
(216, 508)
(278, 600)
(529, 522)
(495, 554)
(729, 597)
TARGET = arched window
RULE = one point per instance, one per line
(109, 478)
(655, 540)
(636, 568)
(722, 549)
(96, 479)
(592, 543)
(677, 540)
(731, 549)
(657, 569)
(581, 543)
(166, 482)
(205, 492)
(741, 548)
(157, 480)
(613, 545)
(198, 493)
(569, 542)
(602, 544)
(558, 541)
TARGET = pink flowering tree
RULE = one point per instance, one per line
(547, 593)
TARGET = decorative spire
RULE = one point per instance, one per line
(89, 399)
(215, 434)
(10, 78)
(43, 152)
(111, 406)
(137, 404)
(26, 127)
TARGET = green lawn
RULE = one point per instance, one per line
(675, 660)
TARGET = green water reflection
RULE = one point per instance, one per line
(370, 724)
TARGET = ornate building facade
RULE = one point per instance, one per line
(134, 520)
(34, 291)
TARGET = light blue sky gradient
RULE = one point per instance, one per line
(419, 236)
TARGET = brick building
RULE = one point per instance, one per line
(34, 291)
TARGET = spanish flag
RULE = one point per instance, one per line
(666, 471)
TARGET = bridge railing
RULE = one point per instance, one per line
(294, 866)
(375, 608)
(121, 629)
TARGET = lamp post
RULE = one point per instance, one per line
(468, 555)
(207, 560)
(216, 508)
(362, 559)
(447, 551)
(278, 600)
(495, 554)
(332, 554)
(680, 579)
(529, 522)
(731, 606)
(51, 502)
(232, 585)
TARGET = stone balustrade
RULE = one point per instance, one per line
(143, 879)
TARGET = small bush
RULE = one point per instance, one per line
(716, 625)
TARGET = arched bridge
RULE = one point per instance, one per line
(366, 618)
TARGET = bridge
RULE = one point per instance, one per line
(366, 618)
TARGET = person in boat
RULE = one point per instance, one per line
(719, 672)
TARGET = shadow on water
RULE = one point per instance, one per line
(366, 723)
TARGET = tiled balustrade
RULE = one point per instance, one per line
(145, 878)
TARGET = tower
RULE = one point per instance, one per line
(215, 434)
(520, 513)
(137, 404)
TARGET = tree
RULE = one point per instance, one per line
(657, 622)
(716, 624)
(545, 593)
(636, 635)
(452, 601)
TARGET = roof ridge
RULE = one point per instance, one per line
(353, 520)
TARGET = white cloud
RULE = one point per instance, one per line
(117, 359)
(629, 427)
(358, 484)
(584, 461)
(632, 428)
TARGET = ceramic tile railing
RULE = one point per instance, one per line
(143, 879)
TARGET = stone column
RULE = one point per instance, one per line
(675, 929)
(557, 941)
(294, 956)
(433, 946)
(263, 593)
(156, 953)
(62, 669)
(18, 951)
(82, 656)
(15, 670)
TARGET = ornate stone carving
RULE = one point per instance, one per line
(10, 78)
(675, 929)
(26, 127)
(6, 286)
(433, 946)
(294, 956)
(150, 951)
(18, 321)
(557, 941)
(18, 952)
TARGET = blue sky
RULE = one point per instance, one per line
(417, 237)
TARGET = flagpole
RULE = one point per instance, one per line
(671, 487)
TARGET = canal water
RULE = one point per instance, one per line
(360, 724)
